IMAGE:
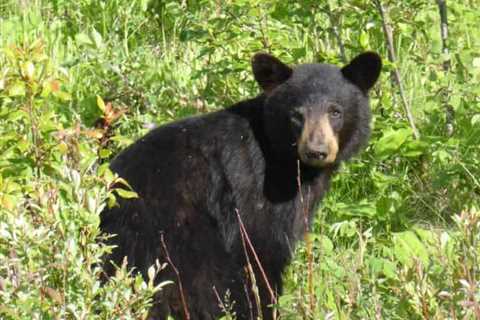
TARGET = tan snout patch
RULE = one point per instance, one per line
(318, 135)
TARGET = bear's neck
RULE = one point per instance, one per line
(285, 176)
(287, 180)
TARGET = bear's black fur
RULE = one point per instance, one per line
(195, 175)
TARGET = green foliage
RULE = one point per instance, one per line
(421, 273)
(397, 236)
(52, 190)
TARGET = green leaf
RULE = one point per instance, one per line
(383, 266)
(62, 95)
(126, 194)
(333, 4)
(475, 119)
(123, 181)
(364, 40)
(389, 269)
(363, 208)
(83, 39)
(104, 153)
(407, 247)
(298, 53)
(391, 141)
(415, 149)
(325, 243)
(62, 148)
(111, 200)
(426, 236)
(100, 104)
(97, 38)
(476, 62)
(17, 89)
(144, 5)
(376, 264)
(28, 70)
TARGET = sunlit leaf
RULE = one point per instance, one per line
(127, 194)
(409, 247)
(100, 104)
(97, 38)
(391, 141)
(16, 89)
(28, 70)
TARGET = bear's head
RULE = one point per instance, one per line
(318, 113)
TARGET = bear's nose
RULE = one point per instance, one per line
(318, 153)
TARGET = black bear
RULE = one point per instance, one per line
(224, 197)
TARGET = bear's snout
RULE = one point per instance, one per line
(317, 153)
(318, 143)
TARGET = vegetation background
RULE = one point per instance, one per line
(398, 236)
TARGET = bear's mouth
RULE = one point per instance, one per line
(322, 156)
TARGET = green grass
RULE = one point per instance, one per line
(397, 236)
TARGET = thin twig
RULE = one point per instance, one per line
(475, 181)
(263, 26)
(253, 280)
(442, 10)
(220, 302)
(387, 30)
(449, 111)
(250, 306)
(180, 287)
(308, 242)
(335, 24)
(245, 236)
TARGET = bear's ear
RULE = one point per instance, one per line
(269, 72)
(363, 70)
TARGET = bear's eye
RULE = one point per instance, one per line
(335, 113)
